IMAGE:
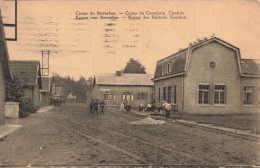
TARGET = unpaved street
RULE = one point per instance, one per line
(70, 135)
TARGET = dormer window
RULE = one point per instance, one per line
(166, 69)
(169, 67)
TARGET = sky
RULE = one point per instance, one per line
(85, 47)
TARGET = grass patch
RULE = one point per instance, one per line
(236, 121)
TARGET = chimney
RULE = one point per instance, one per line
(118, 73)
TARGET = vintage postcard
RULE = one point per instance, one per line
(121, 83)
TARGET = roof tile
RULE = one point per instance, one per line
(124, 79)
(26, 71)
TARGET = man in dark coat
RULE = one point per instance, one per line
(102, 105)
(96, 106)
(91, 105)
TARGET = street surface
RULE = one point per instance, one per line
(70, 135)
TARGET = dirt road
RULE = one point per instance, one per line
(72, 136)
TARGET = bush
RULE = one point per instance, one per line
(14, 93)
(26, 107)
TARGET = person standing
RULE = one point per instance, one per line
(91, 104)
(122, 106)
(102, 105)
(128, 105)
(167, 109)
(96, 106)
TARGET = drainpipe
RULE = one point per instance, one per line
(182, 93)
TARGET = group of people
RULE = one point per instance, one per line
(93, 106)
(126, 105)
(149, 107)
(163, 106)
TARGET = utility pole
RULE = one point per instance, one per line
(45, 63)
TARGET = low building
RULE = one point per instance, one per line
(71, 98)
(114, 88)
(57, 97)
(45, 91)
(5, 72)
(209, 77)
(28, 73)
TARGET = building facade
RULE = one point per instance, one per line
(115, 88)
(209, 78)
(5, 72)
(45, 91)
(28, 73)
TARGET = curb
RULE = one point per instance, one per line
(230, 131)
(7, 129)
(44, 109)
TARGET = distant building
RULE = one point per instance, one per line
(209, 77)
(5, 72)
(28, 73)
(114, 88)
(71, 98)
(57, 96)
(45, 91)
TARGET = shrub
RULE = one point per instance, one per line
(26, 107)
(14, 93)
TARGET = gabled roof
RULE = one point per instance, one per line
(46, 84)
(180, 61)
(128, 79)
(4, 56)
(28, 72)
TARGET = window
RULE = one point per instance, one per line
(109, 96)
(128, 96)
(169, 93)
(159, 96)
(248, 95)
(168, 68)
(105, 96)
(259, 95)
(175, 94)
(220, 94)
(40, 97)
(203, 94)
(164, 70)
(142, 96)
(164, 93)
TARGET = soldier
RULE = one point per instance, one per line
(128, 105)
(102, 105)
(91, 104)
(96, 106)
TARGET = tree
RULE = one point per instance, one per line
(134, 66)
(14, 91)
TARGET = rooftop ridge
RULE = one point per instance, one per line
(199, 43)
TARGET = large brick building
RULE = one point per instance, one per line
(209, 77)
(29, 74)
(114, 88)
(5, 73)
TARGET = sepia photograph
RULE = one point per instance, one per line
(129, 83)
